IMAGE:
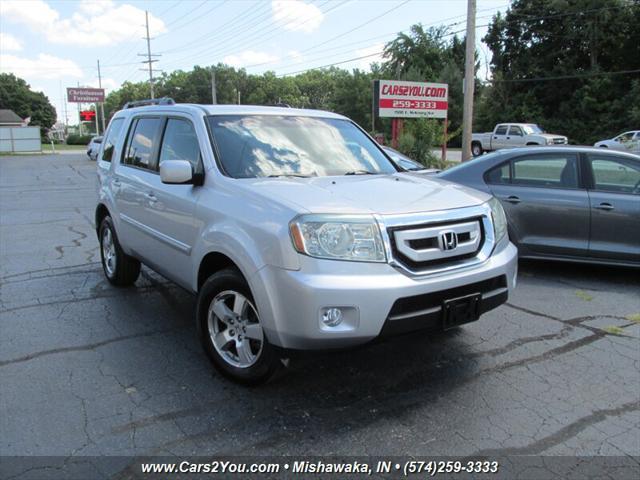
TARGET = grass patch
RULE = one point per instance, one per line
(633, 317)
(582, 295)
(614, 330)
(46, 147)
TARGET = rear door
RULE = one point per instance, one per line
(131, 182)
(615, 206)
(499, 137)
(547, 209)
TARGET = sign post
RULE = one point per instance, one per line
(398, 99)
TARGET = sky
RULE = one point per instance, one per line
(56, 44)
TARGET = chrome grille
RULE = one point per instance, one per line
(426, 246)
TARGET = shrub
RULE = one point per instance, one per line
(79, 139)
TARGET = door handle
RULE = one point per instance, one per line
(495, 138)
(508, 138)
(513, 199)
(151, 197)
(604, 206)
(116, 182)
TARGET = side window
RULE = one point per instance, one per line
(514, 130)
(111, 138)
(141, 142)
(548, 170)
(498, 175)
(180, 142)
(501, 130)
(613, 174)
(625, 137)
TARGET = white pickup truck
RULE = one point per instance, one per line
(511, 135)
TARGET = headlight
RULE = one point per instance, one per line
(338, 237)
(549, 141)
(499, 219)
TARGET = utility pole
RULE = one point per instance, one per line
(214, 99)
(149, 61)
(104, 126)
(469, 80)
(79, 118)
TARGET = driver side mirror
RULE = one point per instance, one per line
(176, 172)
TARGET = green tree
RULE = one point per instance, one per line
(16, 95)
(579, 44)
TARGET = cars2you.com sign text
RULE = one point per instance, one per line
(401, 99)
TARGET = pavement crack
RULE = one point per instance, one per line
(83, 348)
(565, 433)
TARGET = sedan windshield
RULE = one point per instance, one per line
(252, 146)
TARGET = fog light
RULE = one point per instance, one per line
(332, 317)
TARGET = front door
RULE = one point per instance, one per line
(548, 211)
(170, 209)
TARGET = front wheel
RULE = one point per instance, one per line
(230, 330)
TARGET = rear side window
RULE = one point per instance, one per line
(614, 174)
(501, 130)
(142, 139)
(548, 170)
(115, 127)
(180, 143)
(499, 175)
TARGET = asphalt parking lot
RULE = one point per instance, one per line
(88, 369)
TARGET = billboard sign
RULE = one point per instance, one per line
(85, 95)
(400, 99)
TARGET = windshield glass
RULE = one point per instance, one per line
(271, 145)
(402, 160)
(532, 128)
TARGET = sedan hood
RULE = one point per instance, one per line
(372, 194)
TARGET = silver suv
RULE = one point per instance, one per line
(294, 229)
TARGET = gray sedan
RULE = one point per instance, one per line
(572, 203)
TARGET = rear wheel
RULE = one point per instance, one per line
(119, 268)
(231, 332)
(476, 149)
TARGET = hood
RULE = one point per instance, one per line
(549, 135)
(380, 194)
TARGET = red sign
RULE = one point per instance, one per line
(85, 95)
(87, 115)
(399, 99)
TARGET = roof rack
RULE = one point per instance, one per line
(149, 101)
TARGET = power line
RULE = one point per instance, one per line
(256, 35)
(566, 77)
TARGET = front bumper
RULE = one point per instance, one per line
(291, 303)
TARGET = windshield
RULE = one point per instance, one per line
(532, 128)
(403, 161)
(272, 145)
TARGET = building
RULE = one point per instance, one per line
(8, 118)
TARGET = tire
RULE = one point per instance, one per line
(476, 149)
(531, 144)
(224, 325)
(120, 269)
(604, 146)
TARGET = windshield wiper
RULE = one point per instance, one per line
(360, 172)
(297, 175)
